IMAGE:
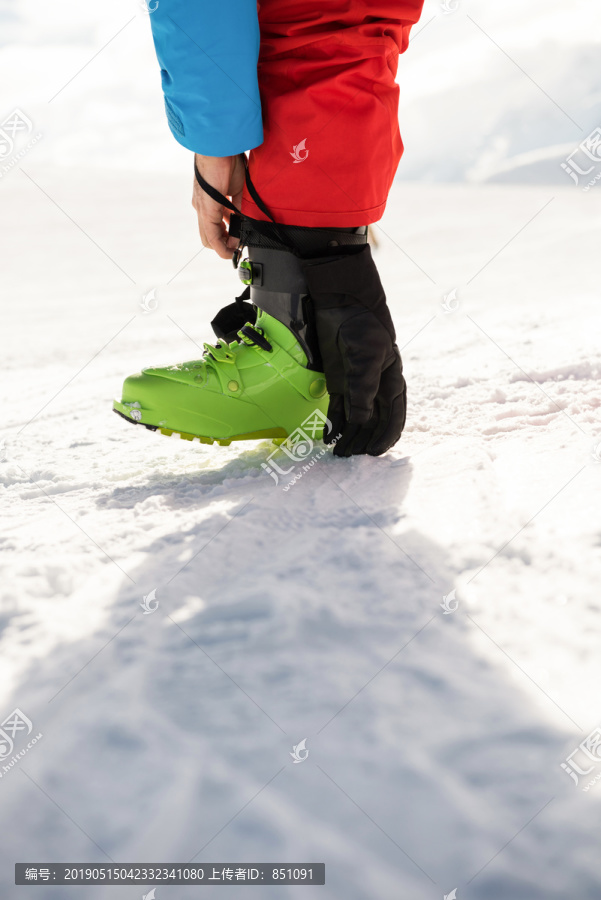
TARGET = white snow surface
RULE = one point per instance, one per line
(435, 741)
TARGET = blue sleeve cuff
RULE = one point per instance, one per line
(208, 53)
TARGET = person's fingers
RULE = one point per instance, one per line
(215, 231)
(210, 214)
(225, 174)
(211, 228)
(232, 242)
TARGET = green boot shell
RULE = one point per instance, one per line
(237, 392)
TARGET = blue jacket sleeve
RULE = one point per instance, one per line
(208, 52)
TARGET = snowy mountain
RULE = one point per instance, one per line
(504, 93)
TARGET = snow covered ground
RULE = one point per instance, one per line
(436, 728)
(435, 740)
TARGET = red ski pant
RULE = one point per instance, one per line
(330, 109)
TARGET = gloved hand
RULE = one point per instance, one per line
(361, 361)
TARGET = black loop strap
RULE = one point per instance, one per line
(220, 198)
(253, 193)
(256, 337)
(213, 193)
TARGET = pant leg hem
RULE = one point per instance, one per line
(317, 218)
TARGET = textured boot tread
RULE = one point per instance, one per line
(274, 433)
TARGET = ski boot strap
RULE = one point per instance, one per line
(299, 240)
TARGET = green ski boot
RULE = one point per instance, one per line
(256, 387)
(264, 377)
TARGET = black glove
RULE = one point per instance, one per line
(361, 361)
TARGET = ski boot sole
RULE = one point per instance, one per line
(275, 434)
